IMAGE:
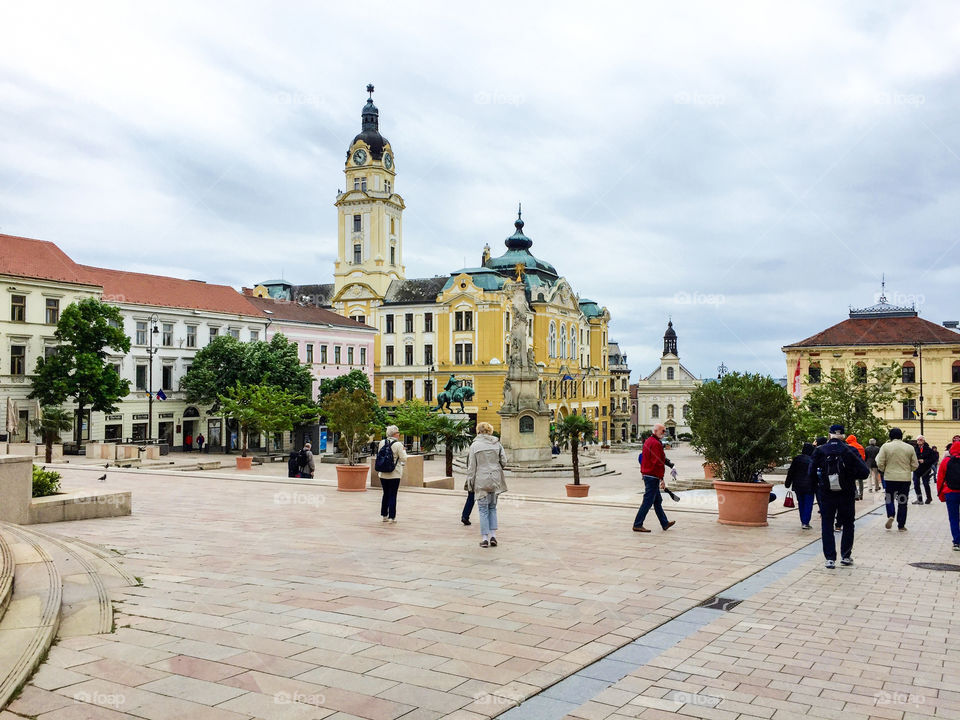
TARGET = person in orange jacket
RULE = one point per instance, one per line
(852, 442)
(948, 487)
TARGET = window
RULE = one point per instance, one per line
(393, 255)
(393, 226)
(50, 350)
(357, 223)
(685, 411)
(213, 333)
(362, 319)
(53, 311)
(141, 332)
(860, 373)
(956, 408)
(669, 373)
(908, 373)
(357, 254)
(356, 185)
(389, 360)
(167, 335)
(428, 354)
(623, 385)
(323, 354)
(563, 343)
(310, 353)
(408, 322)
(573, 343)
(408, 389)
(389, 324)
(408, 355)
(141, 378)
(909, 409)
(336, 354)
(18, 359)
(463, 354)
(363, 356)
(655, 412)
(956, 371)
(613, 384)
(463, 320)
(428, 391)
(18, 308)
(813, 373)
(166, 377)
(191, 336)
(388, 390)
(428, 322)
(254, 335)
(363, 184)
(350, 355)
(386, 187)
(552, 340)
(234, 333)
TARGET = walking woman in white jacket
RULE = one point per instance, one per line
(485, 463)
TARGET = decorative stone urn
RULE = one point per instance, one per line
(352, 478)
(743, 504)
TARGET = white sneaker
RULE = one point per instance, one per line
(383, 519)
(956, 546)
(393, 520)
(847, 561)
(829, 564)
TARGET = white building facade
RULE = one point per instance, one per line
(663, 396)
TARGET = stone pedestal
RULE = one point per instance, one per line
(524, 419)
(16, 488)
(412, 472)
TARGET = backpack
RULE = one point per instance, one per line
(951, 476)
(834, 470)
(302, 460)
(640, 458)
(386, 462)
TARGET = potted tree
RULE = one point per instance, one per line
(51, 422)
(743, 424)
(262, 408)
(573, 429)
(351, 413)
(455, 435)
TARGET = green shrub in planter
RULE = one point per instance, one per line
(45, 482)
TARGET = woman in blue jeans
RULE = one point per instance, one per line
(803, 483)
(485, 463)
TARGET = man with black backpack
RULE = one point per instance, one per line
(837, 467)
(948, 487)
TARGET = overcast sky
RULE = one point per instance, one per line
(750, 169)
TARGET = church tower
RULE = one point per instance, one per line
(670, 340)
(370, 233)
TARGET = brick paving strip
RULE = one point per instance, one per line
(285, 601)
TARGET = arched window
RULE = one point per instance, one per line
(655, 411)
(860, 372)
(613, 384)
(552, 340)
(573, 342)
(956, 371)
(669, 373)
(908, 372)
(563, 343)
(813, 373)
(685, 411)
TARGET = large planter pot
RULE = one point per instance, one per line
(743, 504)
(244, 463)
(709, 471)
(352, 478)
(577, 491)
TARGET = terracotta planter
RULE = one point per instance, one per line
(244, 463)
(743, 504)
(352, 478)
(709, 471)
(577, 490)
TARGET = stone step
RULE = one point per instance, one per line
(107, 562)
(6, 575)
(30, 622)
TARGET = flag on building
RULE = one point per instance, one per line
(932, 413)
(161, 395)
(915, 413)
(566, 377)
(797, 385)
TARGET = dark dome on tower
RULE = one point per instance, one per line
(370, 128)
(670, 340)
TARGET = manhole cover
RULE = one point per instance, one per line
(720, 603)
(943, 567)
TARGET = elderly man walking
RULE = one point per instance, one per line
(897, 461)
(652, 466)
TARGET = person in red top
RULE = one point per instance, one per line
(948, 487)
(652, 465)
(852, 442)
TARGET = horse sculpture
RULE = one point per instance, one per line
(457, 395)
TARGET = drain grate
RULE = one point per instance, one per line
(943, 567)
(720, 603)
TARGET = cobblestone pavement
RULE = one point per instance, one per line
(279, 600)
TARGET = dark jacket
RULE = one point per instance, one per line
(872, 451)
(927, 458)
(854, 467)
(654, 459)
(293, 464)
(798, 476)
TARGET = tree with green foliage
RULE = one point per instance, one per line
(850, 398)
(352, 414)
(415, 418)
(455, 435)
(743, 424)
(52, 421)
(573, 430)
(356, 379)
(263, 408)
(78, 370)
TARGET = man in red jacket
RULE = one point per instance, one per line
(948, 487)
(652, 466)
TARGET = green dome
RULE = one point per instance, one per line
(538, 272)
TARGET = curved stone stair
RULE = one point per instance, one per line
(6, 575)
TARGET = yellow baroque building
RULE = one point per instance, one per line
(878, 335)
(432, 328)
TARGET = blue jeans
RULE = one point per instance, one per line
(805, 506)
(467, 507)
(487, 507)
(651, 498)
(953, 513)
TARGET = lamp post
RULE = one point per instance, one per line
(433, 393)
(918, 353)
(721, 371)
(150, 353)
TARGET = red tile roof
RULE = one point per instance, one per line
(296, 312)
(39, 259)
(882, 331)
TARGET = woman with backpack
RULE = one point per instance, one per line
(948, 487)
(389, 466)
(485, 463)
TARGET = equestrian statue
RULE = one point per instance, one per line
(454, 392)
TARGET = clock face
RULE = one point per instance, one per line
(360, 157)
(387, 161)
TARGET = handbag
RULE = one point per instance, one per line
(788, 500)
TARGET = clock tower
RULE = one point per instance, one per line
(370, 232)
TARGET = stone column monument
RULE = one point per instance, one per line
(524, 417)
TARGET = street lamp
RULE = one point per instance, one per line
(150, 353)
(918, 353)
(721, 371)
(430, 379)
